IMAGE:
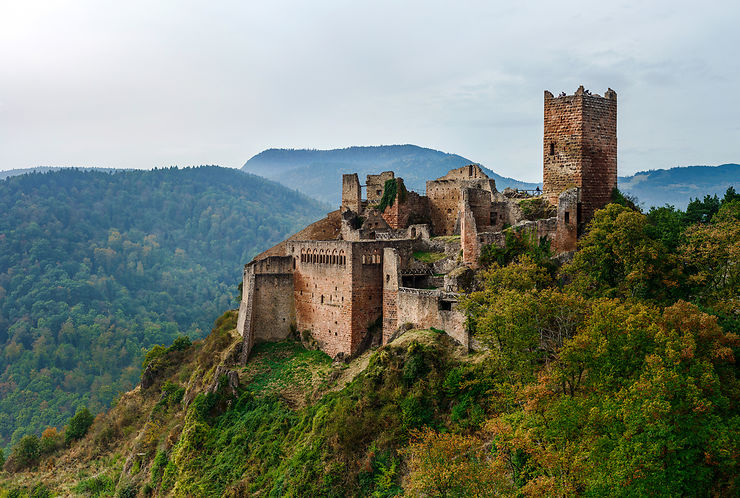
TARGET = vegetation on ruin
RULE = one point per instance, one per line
(390, 193)
(613, 375)
(428, 257)
(97, 267)
(536, 208)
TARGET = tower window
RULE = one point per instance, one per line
(552, 148)
(567, 217)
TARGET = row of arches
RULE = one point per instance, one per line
(371, 259)
(318, 256)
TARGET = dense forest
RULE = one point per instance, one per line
(613, 374)
(97, 267)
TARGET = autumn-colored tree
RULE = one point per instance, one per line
(712, 252)
(444, 465)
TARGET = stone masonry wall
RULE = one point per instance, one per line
(413, 209)
(391, 283)
(273, 310)
(580, 147)
(322, 292)
(432, 308)
(375, 185)
(600, 152)
(351, 193)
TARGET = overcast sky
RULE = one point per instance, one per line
(142, 84)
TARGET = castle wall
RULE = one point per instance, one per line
(245, 316)
(432, 308)
(322, 292)
(266, 310)
(366, 299)
(599, 152)
(567, 220)
(274, 312)
(391, 283)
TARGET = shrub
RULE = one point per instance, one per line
(50, 441)
(25, 453)
(181, 343)
(101, 485)
(156, 352)
(78, 425)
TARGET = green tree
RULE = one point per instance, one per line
(619, 258)
(78, 425)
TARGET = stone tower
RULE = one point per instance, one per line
(580, 148)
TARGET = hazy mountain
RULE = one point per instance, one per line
(676, 186)
(95, 267)
(318, 173)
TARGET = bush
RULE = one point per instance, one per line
(101, 485)
(181, 343)
(25, 454)
(50, 441)
(78, 425)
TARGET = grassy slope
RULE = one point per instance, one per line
(299, 425)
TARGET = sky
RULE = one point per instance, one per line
(141, 84)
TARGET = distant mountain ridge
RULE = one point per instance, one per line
(676, 186)
(317, 173)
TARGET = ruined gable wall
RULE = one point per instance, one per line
(414, 209)
(351, 193)
(375, 185)
(322, 293)
(468, 232)
(444, 200)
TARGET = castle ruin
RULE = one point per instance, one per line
(397, 258)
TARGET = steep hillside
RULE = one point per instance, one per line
(676, 186)
(318, 173)
(290, 422)
(612, 375)
(96, 267)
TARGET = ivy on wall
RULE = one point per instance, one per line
(390, 192)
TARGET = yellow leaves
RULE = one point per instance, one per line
(454, 465)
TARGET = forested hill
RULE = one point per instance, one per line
(97, 267)
(676, 186)
(318, 173)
